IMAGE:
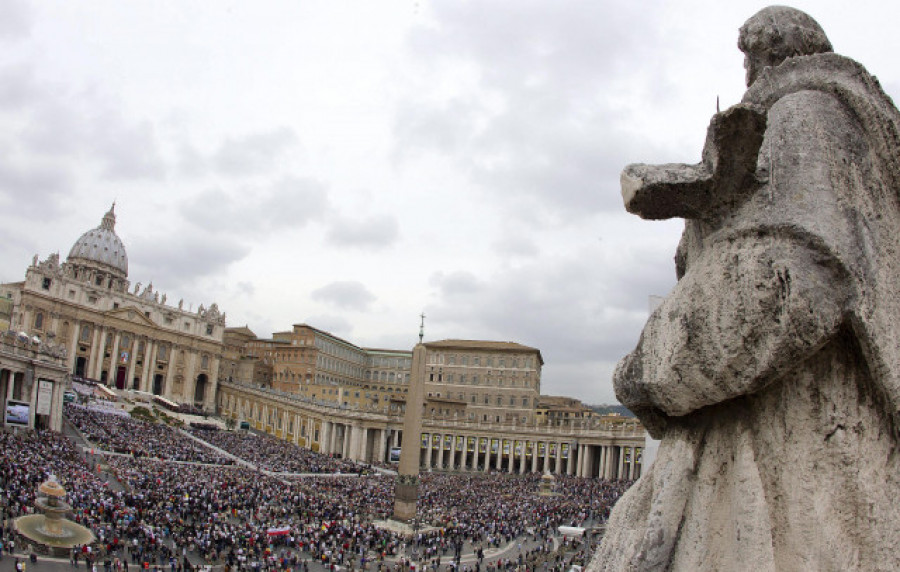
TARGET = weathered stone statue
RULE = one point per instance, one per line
(772, 371)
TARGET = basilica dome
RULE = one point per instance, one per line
(102, 246)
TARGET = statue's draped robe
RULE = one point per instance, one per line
(774, 362)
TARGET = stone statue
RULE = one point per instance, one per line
(771, 373)
(137, 288)
(181, 304)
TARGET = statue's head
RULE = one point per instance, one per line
(776, 33)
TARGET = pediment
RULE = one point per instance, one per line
(131, 314)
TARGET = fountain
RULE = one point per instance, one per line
(50, 529)
(548, 483)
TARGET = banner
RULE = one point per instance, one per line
(482, 444)
(542, 447)
(506, 446)
(425, 438)
(435, 441)
(460, 443)
(495, 444)
(553, 450)
(529, 448)
(44, 396)
(565, 451)
(471, 446)
(519, 445)
(448, 440)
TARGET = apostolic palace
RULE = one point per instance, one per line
(80, 321)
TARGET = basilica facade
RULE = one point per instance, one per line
(121, 336)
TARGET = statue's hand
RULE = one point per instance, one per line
(725, 176)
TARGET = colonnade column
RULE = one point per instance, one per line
(429, 448)
(570, 461)
(381, 450)
(325, 437)
(621, 464)
(534, 456)
(452, 464)
(558, 468)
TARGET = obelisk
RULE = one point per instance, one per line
(406, 491)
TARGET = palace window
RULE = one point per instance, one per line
(39, 321)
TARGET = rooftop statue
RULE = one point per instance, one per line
(771, 373)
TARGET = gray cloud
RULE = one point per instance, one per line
(127, 150)
(516, 245)
(336, 325)
(537, 124)
(285, 203)
(347, 295)
(34, 188)
(576, 310)
(177, 260)
(373, 233)
(15, 19)
(254, 153)
(17, 86)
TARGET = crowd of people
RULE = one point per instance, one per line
(175, 514)
(115, 430)
(273, 454)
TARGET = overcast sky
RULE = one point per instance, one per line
(352, 164)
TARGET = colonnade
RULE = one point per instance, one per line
(370, 437)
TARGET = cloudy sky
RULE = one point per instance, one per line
(351, 164)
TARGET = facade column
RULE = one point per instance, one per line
(172, 356)
(558, 467)
(534, 455)
(570, 462)
(148, 365)
(72, 350)
(521, 457)
(631, 463)
(132, 363)
(487, 456)
(212, 384)
(113, 370)
(581, 472)
(191, 369)
(98, 350)
(546, 456)
(604, 457)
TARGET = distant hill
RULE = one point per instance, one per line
(608, 409)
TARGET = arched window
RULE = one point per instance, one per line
(39, 321)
